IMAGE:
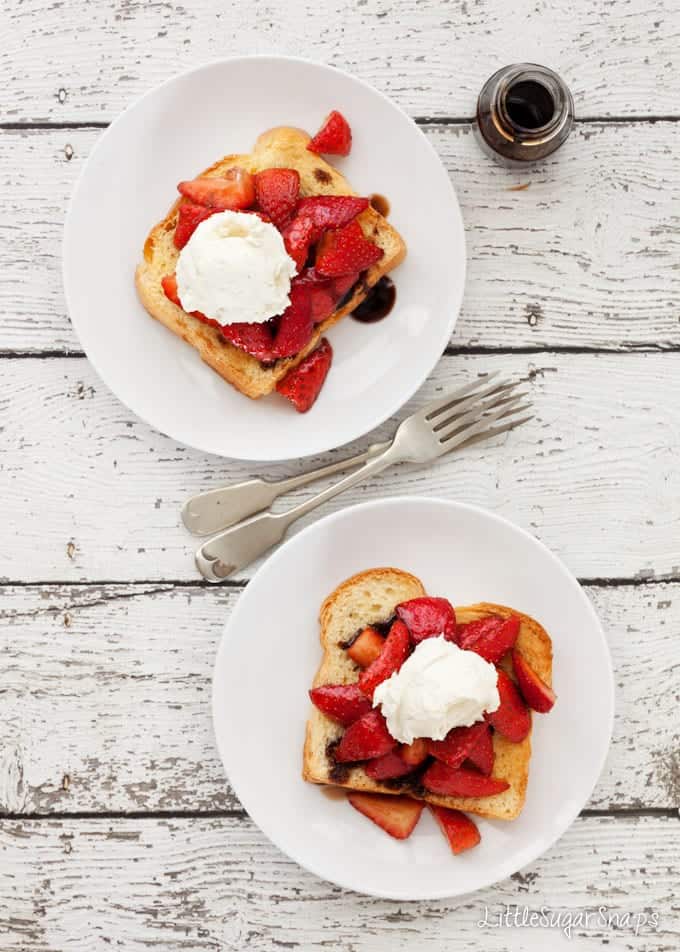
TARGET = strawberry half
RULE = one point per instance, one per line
(295, 324)
(482, 754)
(365, 739)
(277, 192)
(298, 237)
(302, 384)
(394, 653)
(388, 767)
(395, 815)
(255, 339)
(490, 637)
(457, 744)
(331, 211)
(538, 695)
(414, 753)
(512, 719)
(366, 647)
(458, 829)
(189, 218)
(233, 190)
(345, 251)
(344, 703)
(427, 617)
(334, 137)
(460, 782)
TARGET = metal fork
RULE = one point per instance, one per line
(462, 417)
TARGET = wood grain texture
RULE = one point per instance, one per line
(217, 884)
(61, 64)
(91, 493)
(584, 257)
(106, 698)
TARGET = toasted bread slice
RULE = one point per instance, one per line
(278, 148)
(371, 597)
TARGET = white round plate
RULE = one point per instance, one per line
(270, 651)
(128, 184)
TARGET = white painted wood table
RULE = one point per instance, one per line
(117, 827)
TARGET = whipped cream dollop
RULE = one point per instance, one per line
(438, 687)
(235, 268)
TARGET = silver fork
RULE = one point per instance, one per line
(459, 418)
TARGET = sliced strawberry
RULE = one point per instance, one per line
(344, 703)
(254, 339)
(387, 767)
(365, 739)
(322, 292)
(482, 755)
(538, 695)
(298, 237)
(334, 137)
(414, 753)
(395, 815)
(490, 637)
(302, 384)
(459, 782)
(277, 192)
(169, 285)
(189, 218)
(346, 251)
(428, 617)
(344, 284)
(331, 211)
(394, 653)
(512, 719)
(457, 744)
(235, 189)
(366, 647)
(295, 324)
(458, 829)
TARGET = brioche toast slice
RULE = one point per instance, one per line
(371, 597)
(282, 147)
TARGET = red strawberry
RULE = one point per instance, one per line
(535, 691)
(322, 293)
(277, 192)
(169, 285)
(482, 754)
(365, 739)
(331, 211)
(394, 653)
(395, 815)
(295, 324)
(189, 218)
(490, 637)
(235, 189)
(345, 251)
(427, 617)
(459, 782)
(457, 744)
(458, 829)
(512, 719)
(298, 237)
(366, 647)
(302, 384)
(387, 767)
(414, 753)
(255, 339)
(344, 284)
(334, 137)
(344, 703)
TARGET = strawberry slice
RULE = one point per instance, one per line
(233, 190)
(428, 617)
(538, 695)
(277, 192)
(512, 719)
(345, 251)
(458, 829)
(334, 137)
(395, 815)
(344, 703)
(254, 339)
(490, 637)
(482, 755)
(457, 744)
(366, 647)
(331, 211)
(460, 782)
(169, 285)
(189, 218)
(414, 753)
(365, 739)
(298, 237)
(394, 653)
(295, 324)
(302, 384)
(387, 767)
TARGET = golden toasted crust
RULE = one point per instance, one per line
(370, 597)
(282, 147)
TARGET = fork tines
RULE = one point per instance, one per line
(467, 414)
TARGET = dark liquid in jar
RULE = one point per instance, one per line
(529, 104)
(380, 204)
(378, 302)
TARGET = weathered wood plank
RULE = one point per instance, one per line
(106, 698)
(91, 493)
(217, 884)
(584, 257)
(64, 62)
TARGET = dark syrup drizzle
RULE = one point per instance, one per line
(378, 302)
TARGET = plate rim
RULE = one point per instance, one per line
(456, 222)
(571, 814)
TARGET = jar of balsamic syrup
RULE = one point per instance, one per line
(524, 112)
